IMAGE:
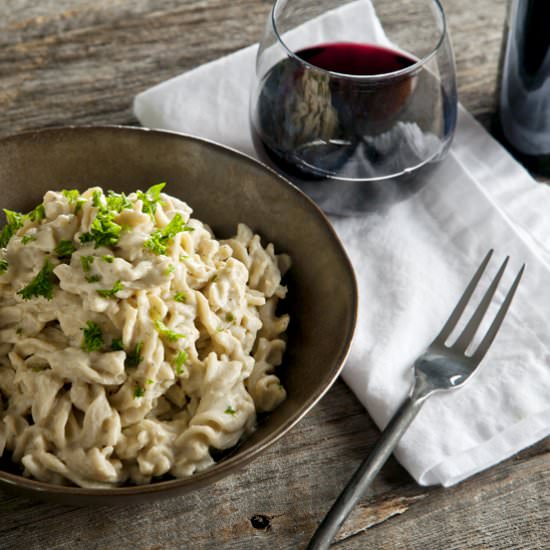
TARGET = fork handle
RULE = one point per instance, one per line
(366, 472)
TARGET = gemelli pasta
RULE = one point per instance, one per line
(132, 342)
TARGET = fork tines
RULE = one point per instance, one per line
(466, 336)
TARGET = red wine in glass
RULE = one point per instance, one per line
(345, 123)
(355, 58)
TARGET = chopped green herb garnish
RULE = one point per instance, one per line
(41, 285)
(26, 239)
(151, 198)
(3, 266)
(158, 240)
(78, 205)
(73, 198)
(163, 330)
(134, 358)
(64, 248)
(93, 339)
(183, 257)
(93, 278)
(149, 381)
(14, 221)
(103, 231)
(170, 269)
(96, 199)
(230, 410)
(86, 263)
(19, 330)
(214, 277)
(72, 195)
(117, 201)
(229, 317)
(281, 387)
(110, 293)
(181, 359)
(108, 259)
(116, 344)
(36, 214)
(139, 392)
(180, 297)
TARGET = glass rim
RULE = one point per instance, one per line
(373, 77)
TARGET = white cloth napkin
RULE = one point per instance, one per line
(412, 263)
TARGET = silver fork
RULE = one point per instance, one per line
(440, 367)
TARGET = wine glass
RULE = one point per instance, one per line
(354, 101)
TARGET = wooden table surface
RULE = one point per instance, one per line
(82, 61)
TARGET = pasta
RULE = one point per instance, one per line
(132, 342)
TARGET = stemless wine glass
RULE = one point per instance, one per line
(354, 100)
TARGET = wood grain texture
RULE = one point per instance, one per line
(79, 62)
(82, 62)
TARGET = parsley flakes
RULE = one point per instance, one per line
(41, 285)
(14, 221)
(116, 344)
(72, 195)
(180, 297)
(230, 410)
(139, 392)
(159, 240)
(64, 248)
(110, 293)
(96, 199)
(117, 202)
(74, 199)
(150, 199)
(26, 239)
(104, 231)
(93, 338)
(86, 263)
(181, 359)
(134, 358)
(163, 330)
(36, 214)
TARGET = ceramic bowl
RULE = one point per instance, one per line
(224, 188)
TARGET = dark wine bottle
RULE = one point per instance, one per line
(524, 95)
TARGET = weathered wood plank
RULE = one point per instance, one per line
(80, 62)
(84, 62)
(504, 508)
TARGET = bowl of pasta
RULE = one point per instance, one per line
(168, 309)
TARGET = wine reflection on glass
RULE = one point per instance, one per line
(354, 104)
